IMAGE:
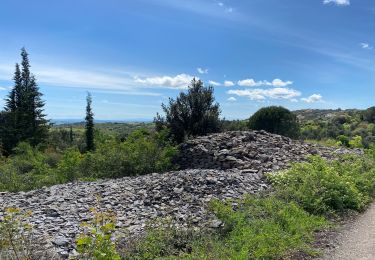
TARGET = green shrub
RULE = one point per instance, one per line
(26, 169)
(69, 168)
(356, 142)
(141, 153)
(17, 240)
(95, 242)
(257, 228)
(321, 186)
(277, 120)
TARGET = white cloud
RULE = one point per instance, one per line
(105, 81)
(294, 100)
(228, 83)
(220, 4)
(262, 94)
(337, 2)
(280, 83)
(3, 88)
(180, 81)
(313, 98)
(366, 45)
(232, 99)
(214, 83)
(202, 71)
(253, 83)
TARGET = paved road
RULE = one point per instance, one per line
(357, 240)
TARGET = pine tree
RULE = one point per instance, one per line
(90, 146)
(24, 119)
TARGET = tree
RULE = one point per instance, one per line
(369, 115)
(191, 114)
(24, 118)
(277, 120)
(71, 135)
(89, 126)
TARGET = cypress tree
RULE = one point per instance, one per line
(71, 137)
(89, 126)
(24, 118)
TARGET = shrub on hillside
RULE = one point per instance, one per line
(277, 120)
(258, 228)
(191, 114)
(141, 153)
(369, 115)
(321, 186)
(28, 168)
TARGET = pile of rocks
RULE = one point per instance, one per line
(222, 166)
(57, 211)
(253, 152)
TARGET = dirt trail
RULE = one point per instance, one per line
(357, 240)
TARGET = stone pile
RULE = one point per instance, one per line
(254, 152)
(57, 211)
(222, 166)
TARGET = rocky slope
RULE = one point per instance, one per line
(250, 151)
(237, 161)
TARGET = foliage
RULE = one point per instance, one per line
(343, 140)
(26, 169)
(356, 142)
(342, 125)
(23, 119)
(89, 126)
(257, 228)
(369, 115)
(96, 242)
(163, 242)
(234, 125)
(141, 153)
(321, 186)
(16, 237)
(191, 114)
(277, 120)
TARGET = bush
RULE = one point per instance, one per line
(343, 140)
(277, 120)
(141, 153)
(322, 187)
(17, 240)
(258, 228)
(193, 113)
(356, 142)
(369, 115)
(26, 169)
(96, 242)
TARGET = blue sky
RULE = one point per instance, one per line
(134, 55)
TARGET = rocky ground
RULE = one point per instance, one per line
(239, 160)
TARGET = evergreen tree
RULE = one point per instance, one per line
(71, 137)
(24, 119)
(90, 146)
(191, 114)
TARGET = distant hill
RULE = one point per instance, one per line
(312, 114)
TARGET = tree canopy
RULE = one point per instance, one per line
(23, 118)
(191, 114)
(275, 119)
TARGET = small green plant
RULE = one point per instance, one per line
(16, 237)
(96, 242)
